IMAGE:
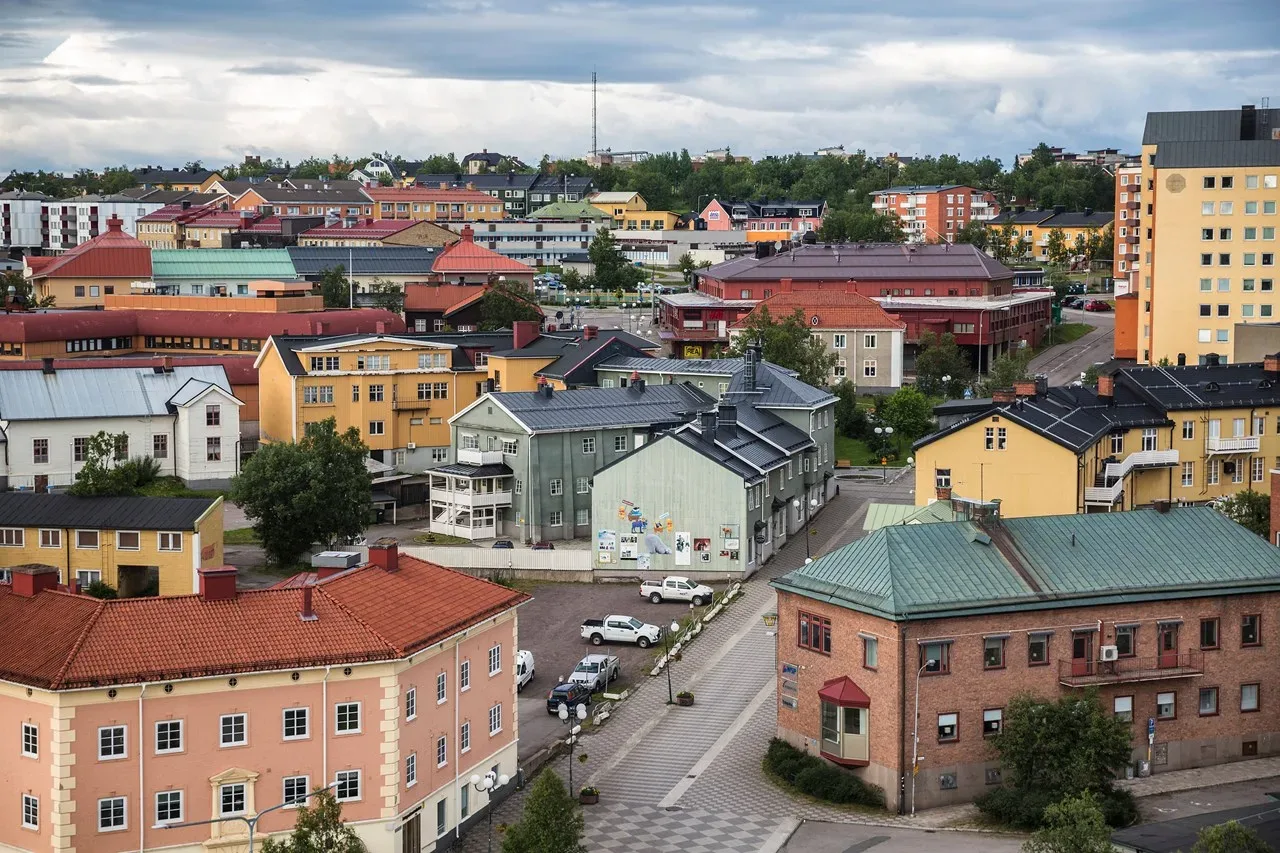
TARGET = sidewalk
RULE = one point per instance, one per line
(1203, 777)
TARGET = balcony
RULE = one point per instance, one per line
(1083, 673)
(1143, 459)
(410, 405)
(1133, 205)
(471, 497)
(472, 456)
(1238, 444)
(1132, 238)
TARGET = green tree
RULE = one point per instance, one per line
(1229, 837)
(1074, 825)
(787, 343)
(572, 280)
(98, 589)
(314, 490)
(850, 420)
(687, 265)
(387, 294)
(1249, 509)
(335, 288)
(1006, 369)
(861, 226)
(1061, 284)
(104, 472)
(504, 304)
(1056, 248)
(611, 269)
(1004, 243)
(16, 287)
(319, 828)
(974, 233)
(942, 368)
(908, 411)
(552, 821)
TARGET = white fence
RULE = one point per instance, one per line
(550, 565)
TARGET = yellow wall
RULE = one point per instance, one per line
(657, 220)
(63, 290)
(1039, 233)
(159, 235)
(468, 210)
(516, 374)
(276, 393)
(620, 209)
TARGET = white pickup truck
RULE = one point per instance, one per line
(677, 589)
(621, 629)
(596, 671)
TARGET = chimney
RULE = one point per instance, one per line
(1212, 359)
(638, 384)
(1161, 506)
(29, 580)
(1042, 384)
(115, 223)
(944, 493)
(1024, 388)
(1182, 359)
(523, 333)
(1106, 387)
(545, 389)
(709, 426)
(1003, 395)
(186, 205)
(1059, 208)
(385, 554)
(1270, 365)
(380, 327)
(166, 364)
(218, 584)
(471, 185)
(1088, 211)
(468, 234)
(308, 612)
(589, 332)
(749, 369)
(1248, 122)
(728, 415)
(46, 364)
(444, 185)
(785, 285)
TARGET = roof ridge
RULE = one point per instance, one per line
(347, 610)
(92, 621)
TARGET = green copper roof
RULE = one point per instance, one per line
(244, 264)
(883, 515)
(569, 210)
(914, 570)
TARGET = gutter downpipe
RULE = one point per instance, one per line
(142, 796)
(902, 718)
(324, 722)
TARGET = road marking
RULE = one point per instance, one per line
(673, 796)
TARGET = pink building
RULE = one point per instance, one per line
(394, 679)
(780, 217)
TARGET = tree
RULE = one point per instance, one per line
(942, 368)
(504, 304)
(1060, 283)
(861, 226)
(687, 265)
(1250, 510)
(1229, 837)
(1074, 825)
(787, 343)
(335, 288)
(908, 412)
(611, 269)
(1006, 244)
(1008, 368)
(319, 828)
(314, 490)
(851, 421)
(572, 280)
(552, 822)
(1056, 249)
(103, 473)
(17, 288)
(974, 233)
(387, 294)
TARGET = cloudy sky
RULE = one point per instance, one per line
(90, 82)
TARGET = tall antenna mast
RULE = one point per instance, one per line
(594, 149)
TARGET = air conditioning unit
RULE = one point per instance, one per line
(411, 446)
(1109, 653)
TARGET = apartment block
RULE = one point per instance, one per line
(73, 221)
(23, 224)
(932, 214)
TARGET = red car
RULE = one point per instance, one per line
(1097, 305)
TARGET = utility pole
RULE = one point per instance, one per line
(594, 149)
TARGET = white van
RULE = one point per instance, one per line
(524, 668)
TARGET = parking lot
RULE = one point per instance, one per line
(550, 628)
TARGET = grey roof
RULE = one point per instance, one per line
(1203, 126)
(1196, 155)
(150, 175)
(190, 390)
(163, 197)
(603, 408)
(25, 509)
(312, 261)
(100, 392)
(767, 207)
(775, 386)
(1020, 217)
(578, 357)
(1171, 836)
(25, 195)
(1242, 385)
(314, 193)
(113, 198)
(924, 188)
(1078, 219)
(461, 470)
(771, 427)
(864, 262)
(518, 181)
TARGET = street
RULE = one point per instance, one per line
(1063, 364)
(817, 837)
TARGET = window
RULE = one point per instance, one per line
(1188, 430)
(347, 717)
(31, 805)
(942, 478)
(1002, 438)
(555, 518)
(50, 538)
(1123, 707)
(160, 446)
(213, 414)
(377, 428)
(128, 540)
(40, 451)
(870, 652)
(111, 814)
(838, 341)
(947, 727)
(990, 438)
(1149, 438)
(297, 790)
(935, 657)
(495, 660)
(495, 719)
(348, 788)
(441, 687)
(442, 819)
(815, 633)
(1126, 640)
(869, 368)
(557, 486)
(1038, 650)
(1249, 697)
(993, 653)
(588, 446)
(1212, 468)
(510, 446)
(1250, 633)
(1208, 701)
(234, 730)
(1258, 469)
(295, 723)
(1166, 706)
(169, 736)
(992, 719)
(582, 517)
(619, 444)
(464, 737)
(376, 393)
(1208, 183)
(213, 449)
(232, 799)
(1206, 259)
(30, 741)
(411, 770)
(111, 743)
(442, 751)
(168, 541)
(169, 806)
(1117, 442)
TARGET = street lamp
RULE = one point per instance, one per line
(489, 783)
(251, 822)
(675, 626)
(915, 738)
(812, 504)
(580, 713)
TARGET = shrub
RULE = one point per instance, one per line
(818, 778)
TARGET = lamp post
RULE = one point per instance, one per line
(915, 737)
(251, 822)
(980, 313)
(666, 638)
(812, 504)
(580, 714)
(489, 783)
(884, 435)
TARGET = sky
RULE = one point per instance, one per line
(95, 83)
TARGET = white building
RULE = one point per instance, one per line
(77, 220)
(184, 417)
(20, 219)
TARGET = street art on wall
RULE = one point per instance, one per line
(637, 531)
(684, 545)
(606, 545)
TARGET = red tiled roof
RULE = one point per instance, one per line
(450, 196)
(112, 254)
(835, 309)
(266, 225)
(465, 256)
(365, 614)
(178, 212)
(240, 369)
(367, 229)
(71, 325)
(438, 297)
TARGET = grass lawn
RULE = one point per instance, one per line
(172, 487)
(1069, 333)
(856, 452)
(240, 536)
(439, 539)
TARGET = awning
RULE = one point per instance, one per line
(843, 692)
(381, 499)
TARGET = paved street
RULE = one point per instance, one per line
(845, 838)
(1066, 362)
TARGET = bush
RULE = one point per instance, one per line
(1022, 809)
(818, 778)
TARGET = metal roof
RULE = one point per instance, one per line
(1202, 126)
(312, 261)
(864, 262)
(26, 509)
(883, 515)
(1195, 155)
(602, 408)
(249, 264)
(100, 392)
(1171, 836)
(775, 386)
(919, 570)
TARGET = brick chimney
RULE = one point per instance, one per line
(1106, 387)
(1003, 395)
(115, 223)
(944, 493)
(218, 584)
(468, 234)
(385, 554)
(524, 332)
(785, 285)
(34, 578)
(589, 332)
(444, 185)
(1271, 366)
(308, 611)
(1025, 388)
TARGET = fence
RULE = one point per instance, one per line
(519, 562)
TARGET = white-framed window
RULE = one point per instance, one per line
(441, 687)
(495, 719)
(555, 518)
(581, 517)
(111, 743)
(1213, 468)
(869, 367)
(588, 445)
(411, 770)
(128, 540)
(838, 341)
(348, 789)
(442, 751)
(495, 659)
(86, 540)
(557, 486)
(1149, 438)
(168, 806)
(169, 541)
(1259, 469)
(297, 790)
(347, 718)
(582, 485)
(464, 676)
(296, 723)
(510, 446)
(1188, 474)
(50, 538)
(1188, 430)
(30, 740)
(377, 428)
(234, 730)
(411, 703)
(12, 537)
(168, 736)
(869, 341)
(111, 814)
(30, 812)
(619, 444)
(232, 799)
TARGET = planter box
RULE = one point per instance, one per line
(684, 701)
(588, 799)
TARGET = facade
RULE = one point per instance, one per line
(23, 222)
(82, 276)
(1093, 157)
(696, 325)
(553, 189)
(511, 189)
(466, 262)
(181, 180)
(488, 161)
(1035, 226)
(867, 341)
(224, 272)
(617, 159)
(377, 232)
(1185, 435)
(307, 197)
(134, 727)
(631, 212)
(185, 417)
(538, 243)
(436, 205)
(136, 545)
(437, 307)
(162, 228)
(1125, 262)
(783, 218)
(73, 221)
(1010, 606)
(935, 213)
(1206, 243)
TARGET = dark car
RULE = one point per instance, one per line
(503, 543)
(1073, 302)
(568, 693)
(544, 546)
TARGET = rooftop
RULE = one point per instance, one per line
(620, 197)
(312, 261)
(925, 188)
(243, 264)
(864, 262)
(361, 229)
(593, 408)
(112, 254)
(572, 210)
(26, 509)
(828, 309)
(121, 392)
(465, 256)
(1206, 126)
(775, 386)
(448, 196)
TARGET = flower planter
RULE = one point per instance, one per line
(588, 799)
(684, 701)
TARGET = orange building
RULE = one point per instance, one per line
(438, 205)
(933, 214)
(465, 262)
(81, 277)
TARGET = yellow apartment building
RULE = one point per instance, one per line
(631, 212)
(436, 205)
(1034, 227)
(1188, 435)
(1203, 252)
(128, 543)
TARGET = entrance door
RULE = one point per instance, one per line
(42, 483)
(1168, 644)
(411, 834)
(1082, 653)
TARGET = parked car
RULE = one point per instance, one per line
(524, 669)
(596, 671)
(544, 546)
(1097, 305)
(1073, 302)
(569, 693)
(677, 589)
(621, 629)
(503, 543)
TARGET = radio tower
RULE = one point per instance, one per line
(594, 150)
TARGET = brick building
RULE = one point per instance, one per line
(935, 213)
(1166, 613)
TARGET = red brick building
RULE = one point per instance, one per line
(935, 213)
(1168, 614)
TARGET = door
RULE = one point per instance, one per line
(1168, 645)
(1082, 653)
(42, 483)
(411, 834)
